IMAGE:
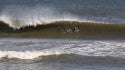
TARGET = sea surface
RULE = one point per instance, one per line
(56, 54)
(50, 35)
(21, 13)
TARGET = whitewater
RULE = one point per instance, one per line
(21, 16)
(14, 17)
(34, 48)
(58, 53)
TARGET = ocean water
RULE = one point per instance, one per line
(56, 54)
(50, 34)
(19, 13)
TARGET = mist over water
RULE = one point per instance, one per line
(24, 16)
(24, 13)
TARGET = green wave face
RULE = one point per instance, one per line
(66, 29)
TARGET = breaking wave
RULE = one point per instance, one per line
(35, 48)
(65, 30)
(21, 16)
(67, 58)
(69, 51)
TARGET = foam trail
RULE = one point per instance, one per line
(84, 48)
(26, 54)
(16, 18)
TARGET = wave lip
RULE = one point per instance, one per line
(33, 16)
(42, 15)
(66, 30)
(16, 18)
(33, 22)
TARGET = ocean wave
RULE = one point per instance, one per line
(42, 15)
(33, 22)
(47, 22)
(55, 50)
(16, 18)
(67, 58)
(45, 48)
(37, 15)
(66, 29)
(26, 54)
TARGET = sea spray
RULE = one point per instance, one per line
(16, 18)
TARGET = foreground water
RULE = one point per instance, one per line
(56, 54)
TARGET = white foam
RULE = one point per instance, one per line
(26, 54)
(16, 16)
(85, 48)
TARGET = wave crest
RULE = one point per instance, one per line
(26, 54)
(66, 58)
(32, 16)
(50, 50)
(16, 18)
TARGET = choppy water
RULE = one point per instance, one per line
(55, 54)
